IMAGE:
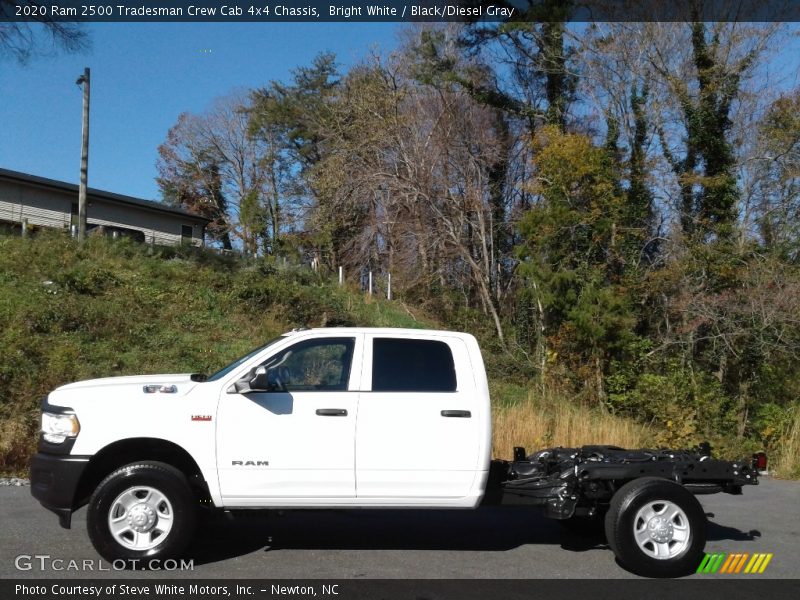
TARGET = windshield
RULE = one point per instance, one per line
(240, 361)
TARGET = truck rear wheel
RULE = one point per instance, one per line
(142, 511)
(656, 528)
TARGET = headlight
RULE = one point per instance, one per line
(58, 427)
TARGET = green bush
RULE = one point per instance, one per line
(87, 279)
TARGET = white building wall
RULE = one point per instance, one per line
(41, 207)
(158, 228)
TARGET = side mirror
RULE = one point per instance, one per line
(258, 380)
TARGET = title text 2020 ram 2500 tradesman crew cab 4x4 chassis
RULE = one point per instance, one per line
(346, 417)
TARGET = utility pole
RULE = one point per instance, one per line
(84, 80)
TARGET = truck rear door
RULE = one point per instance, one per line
(418, 430)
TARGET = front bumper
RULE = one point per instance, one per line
(54, 483)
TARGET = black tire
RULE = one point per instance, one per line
(681, 557)
(177, 510)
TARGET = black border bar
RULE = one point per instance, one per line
(266, 11)
(708, 588)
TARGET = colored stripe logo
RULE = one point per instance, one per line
(735, 563)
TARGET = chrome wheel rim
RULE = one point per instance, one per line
(140, 518)
(661, 530)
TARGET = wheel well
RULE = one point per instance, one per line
(126, 451)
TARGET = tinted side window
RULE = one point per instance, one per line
(321, 365)
(412, 366)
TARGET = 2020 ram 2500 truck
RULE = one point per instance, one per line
(346, 417)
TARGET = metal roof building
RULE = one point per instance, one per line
(43, 202)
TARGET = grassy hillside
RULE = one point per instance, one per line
(70, 312)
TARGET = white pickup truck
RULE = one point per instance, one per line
(346, 417)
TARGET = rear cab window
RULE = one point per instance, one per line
(412, 365)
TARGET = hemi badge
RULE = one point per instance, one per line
(201, 417)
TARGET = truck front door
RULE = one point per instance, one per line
(298, 440)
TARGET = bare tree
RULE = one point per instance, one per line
(775, 180)
(23, 40)
(216, 148)
(412, 174)
(701, 80)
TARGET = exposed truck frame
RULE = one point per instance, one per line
(569, 482)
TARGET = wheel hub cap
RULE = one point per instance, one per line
(141, 518)
(660, 530)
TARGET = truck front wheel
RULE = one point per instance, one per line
(656, 528)
(143, 511)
